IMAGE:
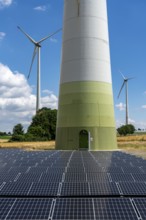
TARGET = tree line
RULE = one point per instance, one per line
(42, 127)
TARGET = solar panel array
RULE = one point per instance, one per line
(71, 185)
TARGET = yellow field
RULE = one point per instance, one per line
(45, 145)
(130, 144)
(132, 138)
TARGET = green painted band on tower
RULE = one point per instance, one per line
(88, 106)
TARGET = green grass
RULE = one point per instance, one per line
(5, 137)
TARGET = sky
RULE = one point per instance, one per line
(40, 18)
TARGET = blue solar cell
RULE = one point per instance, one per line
(75, 177)
(73, 209)
(132, 169)
(114, 209)
(75, 189)
(139, 177)
(133, 188)
(44, 189)
(102, 188)
(97, 177)
(121, 177)
(32, 208)
(16, 188)
(51, 177)
(5, 206)
(141, 206)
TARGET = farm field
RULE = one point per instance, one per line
(135, 144)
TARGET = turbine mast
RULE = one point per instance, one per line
(126, 88)
(38, 82)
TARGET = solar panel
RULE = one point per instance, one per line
(75, 189)
(133, 188)
(55, 170)
(112, 169)
(73, 209)
(51, 177)
(139, 177)
(16, 188)
(44, 189)
(75, 177)
(5, 206)
(76, 181)
(103, 189)
(30, 209)
(114, 209)
(97, 177)
(121, 177)
(29, 177)
(141, 205)
(94, 169)
(132, 170)
(75, 170)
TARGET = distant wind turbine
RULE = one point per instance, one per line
(37, 47)
(125, 82)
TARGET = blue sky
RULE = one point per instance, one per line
(39, 18)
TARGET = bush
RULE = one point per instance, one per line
(17, 138)
(126, 129)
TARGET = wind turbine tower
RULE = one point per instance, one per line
(37, 48)
(86, 110)
(125, 83)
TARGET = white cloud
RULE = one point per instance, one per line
(40, 8)
(54, 40)
(5, 3)
(47, 91)
(143, 106)
(17, 101)
(121, 106)
(2, 35)
(131, 121)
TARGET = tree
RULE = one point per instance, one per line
(18, 129)
(18, 133)
(44, 124)
(126, 129)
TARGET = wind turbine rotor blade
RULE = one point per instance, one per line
(49, 36)
(34, 54)
(30, 38)
(121, 89)
(122, 75)
(130, 78)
